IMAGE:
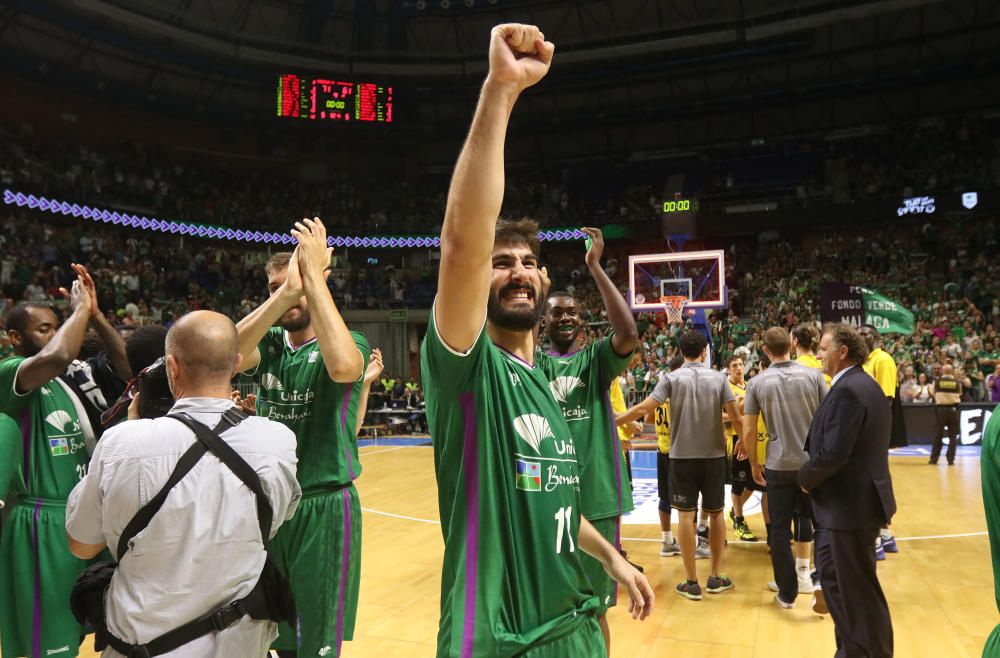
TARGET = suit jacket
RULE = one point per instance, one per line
(848, 468)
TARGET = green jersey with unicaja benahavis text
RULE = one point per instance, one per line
(296, 390)
(581, 383)
(53, 454)
(509, 500)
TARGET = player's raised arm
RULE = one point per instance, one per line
(519, 57)
(626, 336)
(53, 359)
(344, 362)
(110, 337)
(283, 296)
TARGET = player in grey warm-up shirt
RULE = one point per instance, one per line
(788, 395)
(697, 395)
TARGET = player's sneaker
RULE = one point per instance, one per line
(782, 604)
(690, 589)
(889, 545)
(718, 584)
(744, 532)
(702, 551)
(668, 550)
(772, 585)
(819, 602)
(879, 550)
(805, 581)
(703, 532)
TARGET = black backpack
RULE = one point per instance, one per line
(271, 598)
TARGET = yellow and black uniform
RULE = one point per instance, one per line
(741, 475)
(812, 361)
(617, 397)
(947, 395)
(882, 368)
(662, 414)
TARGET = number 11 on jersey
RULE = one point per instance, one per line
(564, 525)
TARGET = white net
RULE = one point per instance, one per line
(674, 307)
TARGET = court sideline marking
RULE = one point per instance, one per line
(418, 520)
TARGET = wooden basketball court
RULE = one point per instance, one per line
(939, 585)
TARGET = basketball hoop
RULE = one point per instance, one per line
(674, 307)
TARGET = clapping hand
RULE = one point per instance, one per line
(313, 252)
(375, 367)
(83, 276)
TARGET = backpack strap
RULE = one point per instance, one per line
(184, 466)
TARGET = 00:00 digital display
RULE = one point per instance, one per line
(677, 206)
(318, 99)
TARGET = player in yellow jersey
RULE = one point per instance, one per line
(881, 366)
(805, 341)
(743, 484)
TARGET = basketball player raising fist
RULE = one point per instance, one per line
(512, 582)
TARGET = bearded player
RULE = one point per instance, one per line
(311, 369)
(580, 380)
(512, 581)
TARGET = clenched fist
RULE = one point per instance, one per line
(519, 55)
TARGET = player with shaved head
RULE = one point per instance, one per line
(202, 551)
(509, 485)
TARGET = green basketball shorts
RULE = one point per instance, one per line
(319, 550)
(605, 588)
(37, 573)
(584, 641)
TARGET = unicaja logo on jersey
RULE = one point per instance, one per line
(59, 419)
(271, 383)
(562, 387)
(533, 429)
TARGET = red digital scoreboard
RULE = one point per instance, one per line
(322, 99)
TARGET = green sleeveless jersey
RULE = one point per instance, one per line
(509, 500)
(989, 462)
(296, 390)
(52, 456)
(581, 383)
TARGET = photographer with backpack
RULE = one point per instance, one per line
(189, 529)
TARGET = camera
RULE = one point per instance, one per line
(155, 398)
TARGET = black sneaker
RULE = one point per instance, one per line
(718, 584)
(703, 532)
(690, 589)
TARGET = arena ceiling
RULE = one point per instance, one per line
(632, 76)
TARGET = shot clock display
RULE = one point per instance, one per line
(679, 216)
(324, 99)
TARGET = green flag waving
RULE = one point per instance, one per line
(886, 315)
(858, 305)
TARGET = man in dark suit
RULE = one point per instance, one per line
(848, 478)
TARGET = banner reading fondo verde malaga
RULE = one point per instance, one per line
(857, 305)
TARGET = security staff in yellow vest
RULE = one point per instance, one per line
(947, 395)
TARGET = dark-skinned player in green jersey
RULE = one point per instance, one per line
(580, 380)
(37, 570)
(311, 369)
(512, 581)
